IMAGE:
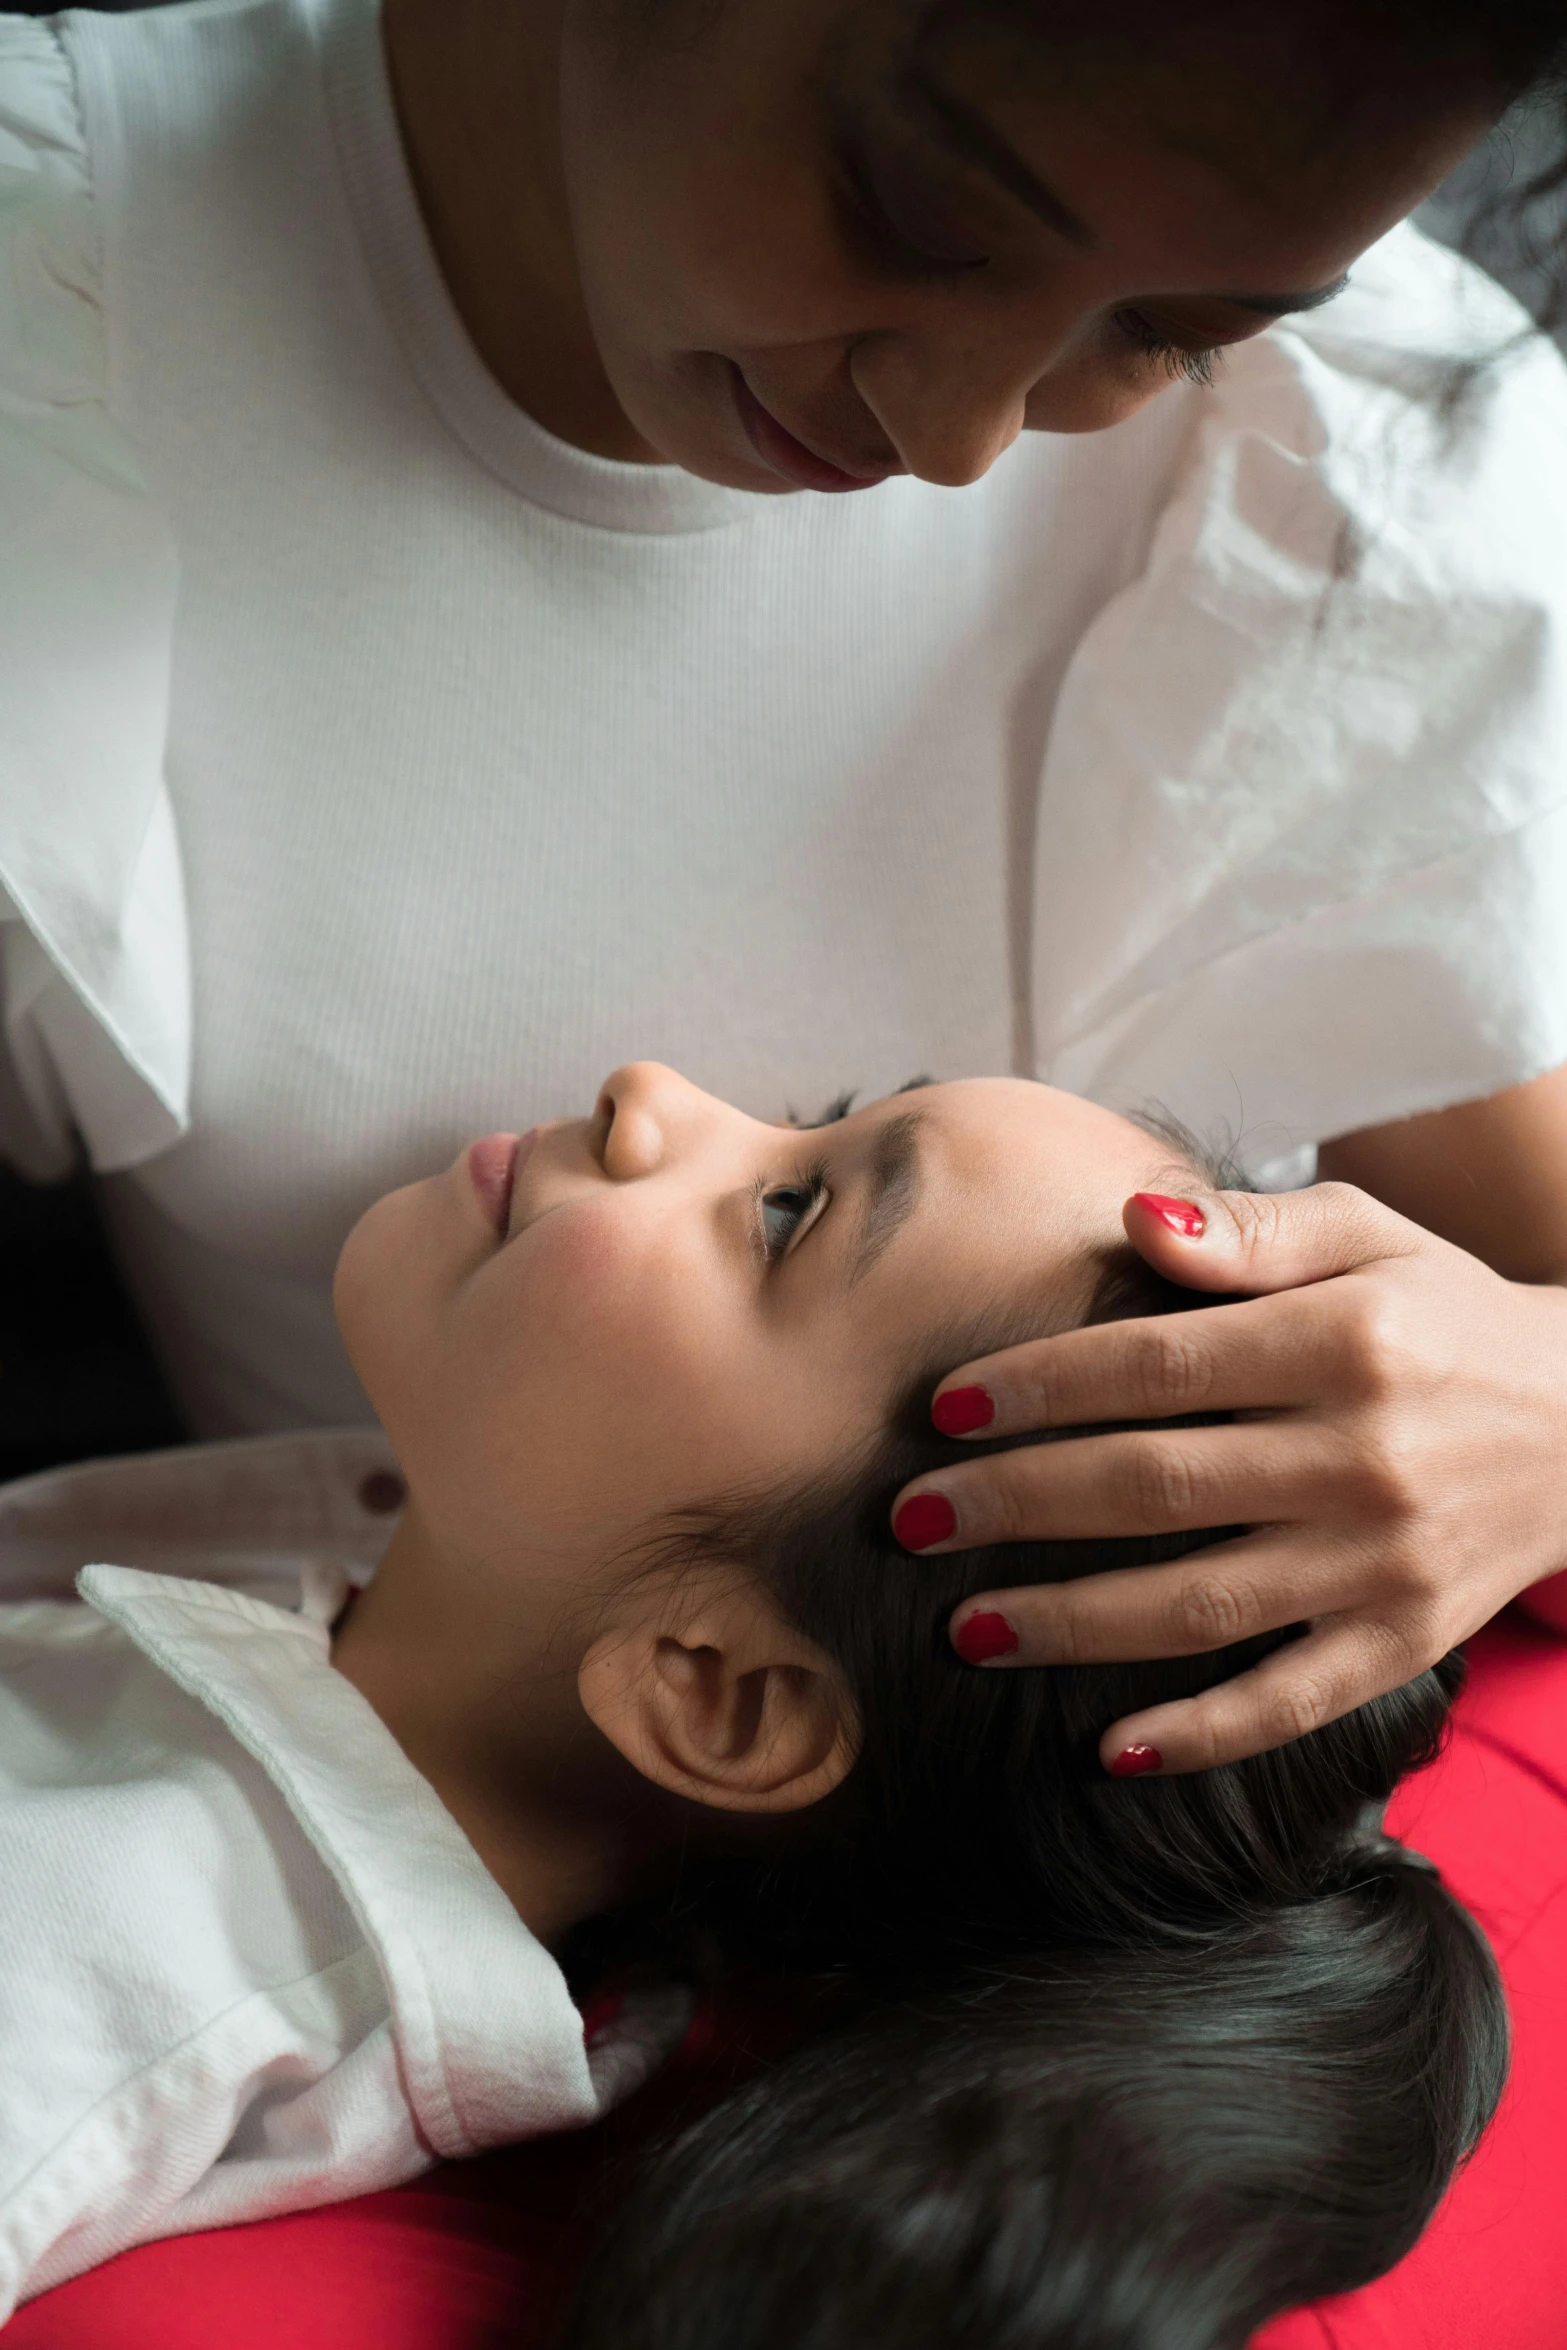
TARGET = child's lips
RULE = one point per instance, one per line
(492, 1170)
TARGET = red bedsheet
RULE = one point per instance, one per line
(477, 2256)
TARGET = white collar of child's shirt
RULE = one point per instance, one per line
(491, 2045)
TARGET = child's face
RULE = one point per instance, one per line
(668, 1301)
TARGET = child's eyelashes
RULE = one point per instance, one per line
(1177, 359)
(783, 1210)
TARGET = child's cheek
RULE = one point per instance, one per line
(623, 1325)
(578, 1252)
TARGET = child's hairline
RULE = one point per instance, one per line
(1214, 1160)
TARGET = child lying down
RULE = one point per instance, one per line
(299, 1900)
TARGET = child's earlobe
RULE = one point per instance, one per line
(729, 1712)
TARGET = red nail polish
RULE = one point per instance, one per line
(963, 1409)
(981, 1636)
(1182, 1215)
(1134, 1762)
(925, 1518)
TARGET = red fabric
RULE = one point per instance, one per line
(1491, 2271)
(473, 2256)
(477, 2256)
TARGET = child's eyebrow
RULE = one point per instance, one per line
(894, 1188)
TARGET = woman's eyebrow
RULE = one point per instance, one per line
(892, 1191)
(977, 140)
(967, 131)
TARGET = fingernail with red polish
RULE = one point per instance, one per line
(1182, 1215)
(1134, 1762)
(963, 1409)
(983, 1635)
(925, 1518)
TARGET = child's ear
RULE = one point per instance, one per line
(720, 1702)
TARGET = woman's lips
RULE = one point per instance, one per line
(790, 457)
(492, 1170)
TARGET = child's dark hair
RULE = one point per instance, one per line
(1127, 2065)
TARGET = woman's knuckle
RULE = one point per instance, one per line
(1417, 1646)
(1340, 1201)
(1163, 1485)
(1068, 1628)
(1390, 1476)
(1378, 1356)
(1256, 1219)
(1009, 1505)
(1211, 1613)
(1175, 1371)
(1406, 1640)
(1210, 1735)
(1306, 1703)
(1034, 1389)
(1412, 1578)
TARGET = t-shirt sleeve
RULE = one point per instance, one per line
(94, 979)
(1301, 861)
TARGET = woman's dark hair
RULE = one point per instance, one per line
(1124, 2064)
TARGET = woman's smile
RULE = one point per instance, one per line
(779, 448)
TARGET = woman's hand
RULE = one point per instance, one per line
(1403, 1464)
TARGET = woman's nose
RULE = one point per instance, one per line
(642, 1107)
(948, 415)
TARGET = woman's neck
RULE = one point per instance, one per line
(472, 1684)
(477, 88)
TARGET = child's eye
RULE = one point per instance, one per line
(784, 1209)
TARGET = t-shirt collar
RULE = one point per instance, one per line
(647, 499)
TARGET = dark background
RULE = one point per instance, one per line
(76, 1376)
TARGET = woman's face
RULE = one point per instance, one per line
(570, 1337)
(821, 242)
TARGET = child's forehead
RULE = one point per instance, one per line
(1009, 1174)
(1016, 1106)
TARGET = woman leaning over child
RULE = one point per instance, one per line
(1109, 2060)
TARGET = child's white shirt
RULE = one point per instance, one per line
(250, 1962)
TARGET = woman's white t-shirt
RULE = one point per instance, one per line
(375, 770)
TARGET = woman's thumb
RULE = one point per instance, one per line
(1253, 1242)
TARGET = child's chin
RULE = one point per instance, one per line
(373, 1294)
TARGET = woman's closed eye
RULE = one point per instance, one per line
(906, 227)
(1193, 365)
(785, 1210)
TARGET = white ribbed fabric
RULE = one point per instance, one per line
(250, 1962)
(1219, 758)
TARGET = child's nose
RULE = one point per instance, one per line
(641, 1106)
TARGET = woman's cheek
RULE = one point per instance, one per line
(1085, 396)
